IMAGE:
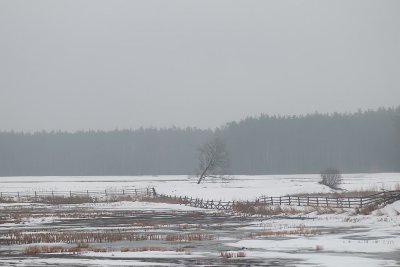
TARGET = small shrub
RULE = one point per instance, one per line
(331, 177)
(366, 210)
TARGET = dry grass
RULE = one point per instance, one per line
(80, 248)
(252, 209)
(32, 250)
(368, 209)
(299, 231)
(188, 237)
(228, 254)
(98, 237)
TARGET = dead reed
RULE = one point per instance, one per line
(17, 237)
(229, 254)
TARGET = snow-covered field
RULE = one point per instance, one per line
(311, 238)
(238, 188)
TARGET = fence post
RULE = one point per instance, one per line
(280, 200)
(70, 194)
(87, 192)
(298, 198)
(123, 191)
(317, 202)
(18, 197)
(52, 194)
(327, 201)
(289, 201)
(35, 197)
(361, 200)
(348, 199)
(272, 201)
(308, 201)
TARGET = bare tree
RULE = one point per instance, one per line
(331, 177)
(213, 160)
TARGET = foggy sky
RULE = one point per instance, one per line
(74, 65)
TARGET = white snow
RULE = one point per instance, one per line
(346, 239)
(240, 187)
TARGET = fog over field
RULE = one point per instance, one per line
(357, 142)
(101, 65)
(199, 133)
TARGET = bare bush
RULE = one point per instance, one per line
(331, 177)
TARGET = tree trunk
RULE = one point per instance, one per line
(205, 170)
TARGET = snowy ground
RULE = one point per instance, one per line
(238, 188)
(307, 239)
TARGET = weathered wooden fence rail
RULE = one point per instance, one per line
(384, 197)
(34, 196)
(199, 202)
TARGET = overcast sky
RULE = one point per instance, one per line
(74, 65)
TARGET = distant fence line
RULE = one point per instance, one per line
(385, 197)
(32, 196)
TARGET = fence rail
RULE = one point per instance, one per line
(200, 203)
(38, 196)
(385, 197)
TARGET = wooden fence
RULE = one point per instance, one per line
(38, 196)
(198, 202)
(384, 197)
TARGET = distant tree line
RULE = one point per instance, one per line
(366, 141)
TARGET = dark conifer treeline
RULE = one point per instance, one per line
(358, 142)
